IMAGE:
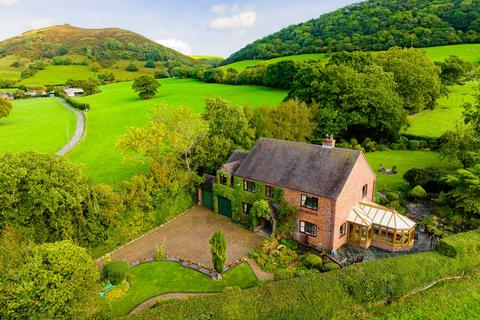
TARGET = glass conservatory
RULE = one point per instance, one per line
(372, 224)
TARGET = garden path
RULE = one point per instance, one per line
(79, 130)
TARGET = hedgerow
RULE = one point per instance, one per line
(335, 294)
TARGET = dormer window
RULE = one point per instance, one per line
(223, 179)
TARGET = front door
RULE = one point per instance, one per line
(224, 207)
(353, 233)
(207, 199)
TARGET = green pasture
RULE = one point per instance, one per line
(242, 65)
(404, 160)
(152, 279)
(39, 124)
(446, 114)
(117, 108)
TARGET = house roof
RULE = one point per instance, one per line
(367, 214)
(234, 161)
(299, 166)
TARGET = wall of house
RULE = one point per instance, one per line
(322, 217)
(351, 194)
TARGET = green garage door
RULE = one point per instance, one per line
(224, 207)
(207, 199)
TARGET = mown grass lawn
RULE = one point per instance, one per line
(446, 114)
(455, 299)
(152, 279)
(117, 108)
(36, 125)
(467, 52)
(404, 160)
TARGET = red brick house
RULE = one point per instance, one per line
(332, 188)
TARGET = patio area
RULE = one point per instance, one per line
(187, 237)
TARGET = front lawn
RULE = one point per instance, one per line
(404, 160)
(152, 279)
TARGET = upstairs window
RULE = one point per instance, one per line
(246, 208)
(308, 228)
(269, 191)
(309, 202)
(223, 180)
(248, 185)
(365, 190)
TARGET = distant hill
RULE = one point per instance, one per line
(96, 44)
(373, 25)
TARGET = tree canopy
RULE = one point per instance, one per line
(373, 26)
(5, 107)
(146, 87)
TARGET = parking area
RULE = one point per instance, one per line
(188, 236)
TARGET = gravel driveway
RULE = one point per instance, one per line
(188, 236)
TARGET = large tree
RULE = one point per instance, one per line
(351, 103)
(461, 144)
(228, 130)
(5, 107)
(218, 249)
(416, 75)
(48, 281)
(51, 200)
(146, 87)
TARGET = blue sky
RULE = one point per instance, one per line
(193, 27)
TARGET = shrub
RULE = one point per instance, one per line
(313, 261)
(118, 292)
(150, 64)
(413, 145)
(330, 266)
(131, 67)
(161, 254)
(461, 245)
(393, 196)
(161, 74)
(272, 255)
(418, 192)
(116, 271)
(290, 273)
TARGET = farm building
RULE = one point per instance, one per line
(332, 189)
(7, 96)
(73, 92)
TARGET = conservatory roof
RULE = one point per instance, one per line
(368, 214)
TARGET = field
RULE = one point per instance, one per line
(152, 279)
(448, 111)
(36, 125)
(118, 108)
(457, 299)
(57, 75)
(468, 52)
(242, 65)
(404, 160)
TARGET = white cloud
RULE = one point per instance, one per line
(40, 23)
(8, 2)
(225, 8)
(178, 45)
(234, 23)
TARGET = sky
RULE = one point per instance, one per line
(202, 27)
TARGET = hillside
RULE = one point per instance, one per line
(98, 44)
(373, 25)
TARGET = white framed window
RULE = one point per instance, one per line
(249, 186)
(308, 228)
(309, 202)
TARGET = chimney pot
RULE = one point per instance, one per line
(329, 142)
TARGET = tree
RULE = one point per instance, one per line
(5, 108)
(146, 87)
(51, 200)
(453, 70)
(218, 249)
(106, 77)
(213, 75)
(461, 144)
(416, 75)
(471, 114)
(51, 281)
(464, 195)
(351, 104)
(95, 66)
(260, 211)
(150, 64)
(228, 130)
(280, 74)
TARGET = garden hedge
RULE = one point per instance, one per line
(335, 294)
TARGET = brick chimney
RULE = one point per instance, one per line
(329, 142)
